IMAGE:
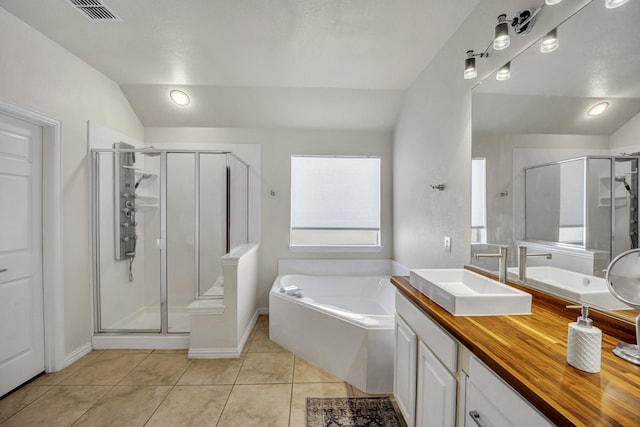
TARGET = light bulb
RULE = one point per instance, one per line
(598, 109)
(501, 39)
(470, 71)
(551, 2)
(179, 97)
(550, 42)
(612, 4)
(504, 73)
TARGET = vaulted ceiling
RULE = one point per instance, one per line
(341, 64)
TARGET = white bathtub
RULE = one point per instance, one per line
(343, 324)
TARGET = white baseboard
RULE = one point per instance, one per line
(155, 342)
(263, 310)
(77, 354)
(214, 353)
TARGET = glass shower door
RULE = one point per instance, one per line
(126, 219)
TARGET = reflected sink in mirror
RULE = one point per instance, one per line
(465, 293)
(589, 290)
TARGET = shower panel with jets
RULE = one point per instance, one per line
(162, 220)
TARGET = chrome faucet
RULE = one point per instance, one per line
(502, 262)
(522, 261)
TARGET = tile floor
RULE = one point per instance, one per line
(266, 386)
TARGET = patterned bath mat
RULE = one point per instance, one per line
(351, 412)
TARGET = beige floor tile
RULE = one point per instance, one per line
(108, 369)
(55, 378)
(125, 406)
(260, 343)
(191, 406)
(158, 369)
(302, 391)
(19, 399)
(61, 406)
(305, 372)
(263, 322)
(266, 368)
(211, 371)
(257, 405)
(178, 351)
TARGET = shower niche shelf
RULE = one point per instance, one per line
(604, 193)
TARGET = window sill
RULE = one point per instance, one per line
(337, 248)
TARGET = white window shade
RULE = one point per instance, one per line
(335, 201)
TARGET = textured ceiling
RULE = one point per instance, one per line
(322, 54)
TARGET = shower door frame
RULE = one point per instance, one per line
(95, 231)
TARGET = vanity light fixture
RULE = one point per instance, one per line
(504, 73)
(470, 70)
(522, 23)
(597, 109)
(501, 39)
(612, 4)
(179, 97)
(550, 41)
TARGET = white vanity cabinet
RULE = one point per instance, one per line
(426, 362)
(404, 375)
(438, 382)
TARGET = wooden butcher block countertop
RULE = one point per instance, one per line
(529, 352)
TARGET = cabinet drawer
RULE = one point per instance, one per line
(480, 412)
(505, 400)
(441, 343)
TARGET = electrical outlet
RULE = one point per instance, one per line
(447, 244)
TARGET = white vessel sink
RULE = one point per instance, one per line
(465, 293)
(574, 286)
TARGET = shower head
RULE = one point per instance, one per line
(152, 154)
(144, 176)
(624, 182)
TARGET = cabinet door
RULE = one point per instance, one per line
(436, 402)
(404, 375)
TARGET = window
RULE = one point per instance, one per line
(335, 203)
(478, 201)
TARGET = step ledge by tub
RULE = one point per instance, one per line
(239, 253)
(205, 307)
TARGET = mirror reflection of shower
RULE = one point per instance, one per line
(626, 169)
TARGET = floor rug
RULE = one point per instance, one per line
(351, 412)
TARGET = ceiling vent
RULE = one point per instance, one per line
(94, 10)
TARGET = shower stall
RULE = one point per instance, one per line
(161, 222)
(589, 203)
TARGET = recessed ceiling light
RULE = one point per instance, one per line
(598, 109)
(612, 4)
(179, 97)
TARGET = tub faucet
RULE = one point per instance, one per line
(522, 261)
(502, 262)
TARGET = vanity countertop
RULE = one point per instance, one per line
(529, 353)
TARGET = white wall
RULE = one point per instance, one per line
(432, 143)
(627, 138)
(38, 74)
(277, 146)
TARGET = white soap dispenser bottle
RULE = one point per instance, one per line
(584, 344)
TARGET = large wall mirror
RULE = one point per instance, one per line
(548, 176)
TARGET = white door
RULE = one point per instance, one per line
(21, 292)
